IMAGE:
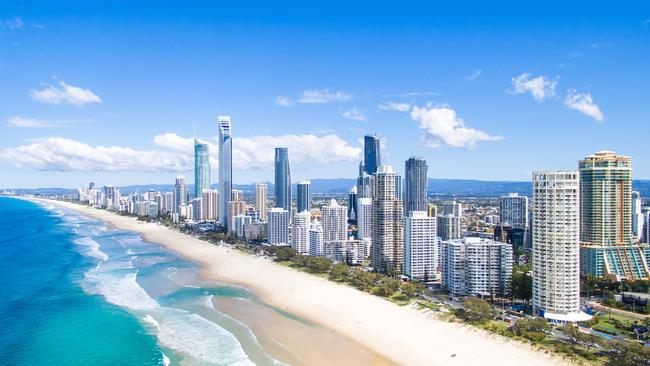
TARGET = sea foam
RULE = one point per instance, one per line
(91, 248)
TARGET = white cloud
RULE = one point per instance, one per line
(412, 94)
(65, 94)
(314, 96)
(283, 101)
(249, 153)
(25, 122)
(443, 127)
(540, 87)
(393, 106)
(354, 114)
(474, 75)
(61, 154)
(583, 103)
(13, 23)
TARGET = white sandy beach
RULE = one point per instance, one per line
(402, 334)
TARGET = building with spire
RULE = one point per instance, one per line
(201, 168)
(225, 168)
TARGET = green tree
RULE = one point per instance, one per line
(628, 353)
(409, 289)
(362, 280)
(477, 311)
(318, 264)
(285, 253)
(339, 272)
(386, 287)
(522, 283)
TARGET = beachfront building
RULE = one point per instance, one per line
(350, 251)
(239, 223)
(282, 179)
(201, 168)
(261, 199)
(235, 208)
(197, 208)
(316, 242)
(364, 219)
(300, 226)
(278, 226)
(556, 246)
(303, 201)
(335, 221)
(415, 185)
(210, 205)
(476, 266)
(387, 223)
(420, 246)
(607, 246)
(168, 202)
(225, 168)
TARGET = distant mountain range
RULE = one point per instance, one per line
(438, 187)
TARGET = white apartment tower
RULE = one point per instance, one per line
(261, 199)
(556, 245)
(300, 226)
(316, 243)
(420, 246)
(335, 221)
(387, 223)
(210, 206)
(278, 226)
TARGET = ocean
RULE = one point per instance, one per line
(74, 292)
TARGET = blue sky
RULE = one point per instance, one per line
(113, 92)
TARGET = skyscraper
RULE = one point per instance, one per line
(452, 208)
(637, 216)
(371, 154)
(449, 227)
(261, 198)
(304, 196)
(364, 218)
(513, 210)
(225, 168)
(278, 226)
(556, 245)
(201, 168)
(420, 246)
(387, 223)
(300, 232)
(282, 179)
(607, 246)
(180, 193)
(335, 221)
(352, 204)
(210, 204)
(415, 185)
(476, 266)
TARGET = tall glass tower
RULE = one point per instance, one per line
(225, 168)
(371, 154)
(607, 248)
(415, 186)
(304, 196)
(201, 168)
(282, 179)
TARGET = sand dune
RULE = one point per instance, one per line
(402, 334)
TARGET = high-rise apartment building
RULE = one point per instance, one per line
(278, 226)
(637, 216)
(316, 243)
(371, 154)
(364, 218)
(449, 227)
(282, 179)
(476, 266)
(513, 210)
(300, 226)
(387, 223)
(210, 206)
(352, 204)
(261, 199)
(607, 247)
(180, 193)
(201, 168)
(303, 201)
(556, 245)
(225, 168)
(452, 208)
(420, 246)
(645, 236)
(415, 185)
(335, 221)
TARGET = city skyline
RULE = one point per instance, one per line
(63, 122)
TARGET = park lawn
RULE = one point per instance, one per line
(605, 324)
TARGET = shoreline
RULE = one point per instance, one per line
(401, 334)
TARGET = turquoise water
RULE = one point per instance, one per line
(76, 293)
